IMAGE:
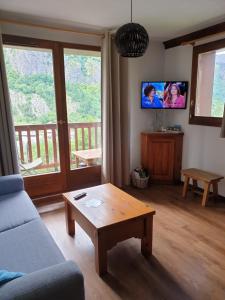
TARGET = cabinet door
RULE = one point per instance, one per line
(161, 159)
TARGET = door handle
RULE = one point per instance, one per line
(61, 122)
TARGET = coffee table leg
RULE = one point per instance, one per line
(146, 242)
(100, 256)
(70, 224)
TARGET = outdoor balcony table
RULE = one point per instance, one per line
(88, 156)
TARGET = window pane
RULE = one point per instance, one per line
(83, 96)
(210, 93)
(31, 86)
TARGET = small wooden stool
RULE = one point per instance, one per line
(207, 178)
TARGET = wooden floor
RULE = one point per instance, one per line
(188, 251)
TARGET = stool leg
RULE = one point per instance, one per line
(185, 188)
(215, 190)
(206, 193)
(194, 186)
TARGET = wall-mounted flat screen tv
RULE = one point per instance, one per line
(164, 94)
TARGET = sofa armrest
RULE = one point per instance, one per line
(62, 281)
(11, 184)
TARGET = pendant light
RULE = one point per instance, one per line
(131, 39)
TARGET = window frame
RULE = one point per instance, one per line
(56, 183)
(197, 50)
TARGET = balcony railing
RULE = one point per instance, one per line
(41, 141)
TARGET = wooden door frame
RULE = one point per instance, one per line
(66, 179)
(76, 178)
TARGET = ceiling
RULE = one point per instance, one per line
(164, 19)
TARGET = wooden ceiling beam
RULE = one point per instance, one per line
(195, 36)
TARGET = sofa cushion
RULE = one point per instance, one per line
(11, 184)
(16, 209)
(28, 248)
(6, 276)
(63, 281)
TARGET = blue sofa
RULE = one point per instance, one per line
(26, 246)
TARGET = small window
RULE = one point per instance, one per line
(208, 84)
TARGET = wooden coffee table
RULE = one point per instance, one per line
(109, 215)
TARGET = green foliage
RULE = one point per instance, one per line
(86, 98)
(218, 98)
(31, 84)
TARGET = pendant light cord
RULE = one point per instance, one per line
(131, 11)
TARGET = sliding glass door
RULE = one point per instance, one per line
(32, 92)
(83, 99)
(55, 91)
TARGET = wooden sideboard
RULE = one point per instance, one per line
(161, 155)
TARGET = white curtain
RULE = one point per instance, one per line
(115, 115)
(222, 133)
(8, 155)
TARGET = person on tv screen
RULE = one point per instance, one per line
(151, 99)
(173, 97)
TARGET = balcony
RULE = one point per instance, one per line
(40, 143)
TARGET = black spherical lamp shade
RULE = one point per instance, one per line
(131, 40)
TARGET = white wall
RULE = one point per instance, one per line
(40, 33)
(148, 67)
(203, 148)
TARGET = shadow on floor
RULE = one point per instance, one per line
(150, 281)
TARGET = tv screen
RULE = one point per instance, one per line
(164, 94)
